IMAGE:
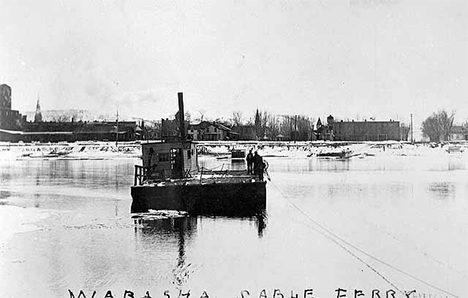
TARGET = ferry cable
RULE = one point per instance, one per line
(332, 237)
(427, 255)
(339, 244)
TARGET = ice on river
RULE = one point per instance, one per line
(78, 150)
(15, 220)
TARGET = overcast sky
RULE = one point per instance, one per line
(351, 58)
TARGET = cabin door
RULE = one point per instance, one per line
(177, 163)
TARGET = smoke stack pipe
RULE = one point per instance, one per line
(181, 116)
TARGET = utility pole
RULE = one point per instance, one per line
(117, 132)
(412, 139)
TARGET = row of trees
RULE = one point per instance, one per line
(263, 125)
(437, 127)
(274, 127)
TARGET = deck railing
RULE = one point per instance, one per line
(151, 174)
(143, 174)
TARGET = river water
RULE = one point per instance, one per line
(372, 224)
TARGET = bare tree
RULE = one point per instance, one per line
(446, 123)
(297, 127)
(153, 130)
(273, 126)
(404, 131)
(430, 128)
(236, 118)
(201, 116)
(437, 126)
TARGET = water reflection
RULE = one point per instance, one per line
(442, 190)
(172, 243)
(174, 239)
(261, 222)
(37, 200)
(91, 174)
(394, 163)
(454, 165)
(258, 217)
(153, 233)
(4, 194)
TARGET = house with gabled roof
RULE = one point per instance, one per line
(210, 131)
(458, 133)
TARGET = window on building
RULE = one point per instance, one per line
(163, 157)
(189, 154)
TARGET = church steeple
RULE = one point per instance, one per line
(258, 125)
(38, 115)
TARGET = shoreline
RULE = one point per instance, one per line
(109, 150)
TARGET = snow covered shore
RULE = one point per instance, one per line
(108, 150)
(314, 149)
(78, 150)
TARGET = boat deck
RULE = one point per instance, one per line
(214, 195)
(213, 177)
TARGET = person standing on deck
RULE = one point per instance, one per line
(250, 161)
(258, 166)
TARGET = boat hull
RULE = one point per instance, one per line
(237, 198)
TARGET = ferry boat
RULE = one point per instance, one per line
(170, 179)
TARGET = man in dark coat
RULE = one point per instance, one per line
(258, 166)
(250, 161)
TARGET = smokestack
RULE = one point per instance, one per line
(181, 116)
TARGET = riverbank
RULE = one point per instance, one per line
(316, 148)
(109, 150)
(77, 150)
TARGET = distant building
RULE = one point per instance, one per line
(317, 133)
(5, 97)
(210, 131)
(280, 137)
(9, 119)
(360, 130)
(15, 128)
(170, 128)
(326, 132)
(38, 115)
(79, 131)
(258, 126)
(458, 133)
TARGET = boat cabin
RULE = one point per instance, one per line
(168, 160)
